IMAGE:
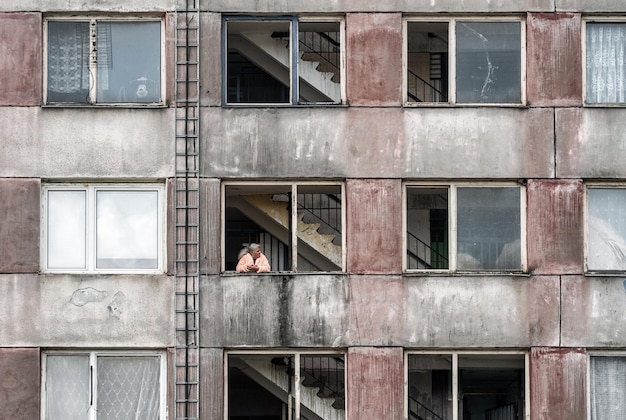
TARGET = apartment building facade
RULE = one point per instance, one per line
(438, 187)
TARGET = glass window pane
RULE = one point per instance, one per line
(67, 387)
(129, 62)
(427, 61)
(258, 61)
(606, 228)
(430, 386)
(127, 229)
(606, 65)
(128, 387)
(319, 228)
(488, 62)
(68, 62)
(319, 62)
(66, 223)
(488, 228)
(427, 228)
(608, 388)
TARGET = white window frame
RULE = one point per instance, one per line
(297, 379)
(93, 358)
(455, 375)
(90, 218)
(293, 20)
(583, 35)
(452, 21)
(452, 225)
(294, 216)
(92, 20)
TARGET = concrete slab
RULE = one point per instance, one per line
(20, 373)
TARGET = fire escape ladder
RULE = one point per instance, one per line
(187, 214)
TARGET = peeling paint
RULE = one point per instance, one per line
(87, 295)
(116, 305)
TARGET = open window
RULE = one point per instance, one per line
(606, 229)
(110, 228)
(298, 386)
(282, 60)
(299, 226)
(103, 385)
(605, 65)
(489, 386)
(92, 60)
(607, 385)
(464, 61)
(464, 228)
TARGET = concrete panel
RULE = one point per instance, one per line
(555, 226)
(554, 59)
(375, 383)
(590, 6)
(86, 143)
(20, 374)
(558, 383)
(378, 142)
(374, 226)
(122, 6)
(210, 226)
(432, 6)
(20, 59)
(211, 59)
(19, 230)
(211, 384)
(593, 311)
(374, 59)
(481, 312)
(590, 142)
(86, 311)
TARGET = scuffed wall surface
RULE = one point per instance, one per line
(20, 59)
(554, 59)
(555, 226)
(375, 387)
(589, 6)
(557, 378)
(91, 5)
(211, 385)
(19, 228)
(19, 383)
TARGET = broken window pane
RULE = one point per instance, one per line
(606, 229)
(608, 388)
(488, 62)
(488, 228)
(427, 61)
(606, 63)
(427, 228)
(430, 386)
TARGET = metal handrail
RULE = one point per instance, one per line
(437, 254)
(433, 415)
(433, 89)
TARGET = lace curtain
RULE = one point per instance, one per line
(606, 50)
(68, 57)
(608, 388)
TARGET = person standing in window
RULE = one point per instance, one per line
(254, 261)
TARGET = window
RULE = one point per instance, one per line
(299, 226)
(102, 228)
(103, 385)
(463, 61)
(605, 62)
(464, 227)
(607, 386)
(282, 60)
(606, 229)
(103, 61)
(488, 386)
(299, 386)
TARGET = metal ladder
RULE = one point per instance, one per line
(187, 214)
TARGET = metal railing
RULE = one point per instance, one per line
(421, 90)
(326, 49)
(420, 411)
(325, 208)
(423, 256)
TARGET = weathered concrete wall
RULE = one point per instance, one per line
(19, 228)
(374, 66)
(590, 6)
(116, 6)
(212, 385)
(211, 222)
(554, 59)
(375, 385)
(382, 142)
(555, 238)
(557, 378)
(20, 59)
(86, 311)
(86, 143)
(211, 59)
(374, 310)
(593, 311)
(590, 142)
(20, 374)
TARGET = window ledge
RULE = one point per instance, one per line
(106, 106)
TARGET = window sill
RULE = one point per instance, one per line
(106, 106)
(469, 105)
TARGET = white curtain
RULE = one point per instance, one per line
(606, 50)
(67, 387)
(68, 56)
(608, 388)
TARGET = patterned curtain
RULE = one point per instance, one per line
(68, 57)
(606, 72)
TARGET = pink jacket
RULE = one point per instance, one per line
(246, 260)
